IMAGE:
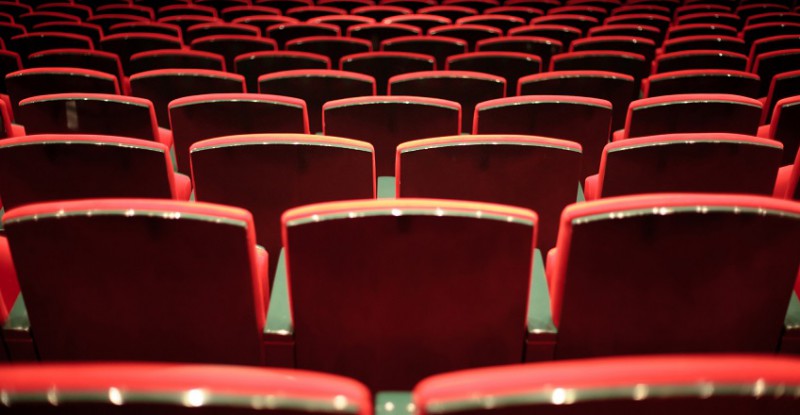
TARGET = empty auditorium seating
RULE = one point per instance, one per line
(282, 33)
(253, 65)
(176, 389)
(508, 65)
(692, 113)
(616, 88)
(638, 45)
(542, 47)
(126, 45)
(316, 87)
(564, 34)
(293, 170)
(378, 32)
(387, 121)
(689, 162)
(384, 65)
(30, 43)
(175, 59)
(465, 87)
(164, 85)
(622, 385)
(53, 167)
(709, 273)
(199, 117)
(84, 113)
(27, 83)
(470, 33)
(537, 173)
(334, 47)
(696, 81)
(231, 46)
(631, 64)
(152, 286)
(785, 127)
(769, 64)
(385, 272)
(80, 58)
(700, 59)
(784, 85)
(440, 47)
(586, 121)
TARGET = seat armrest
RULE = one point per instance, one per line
(386, 187)
(262, 270)
(590, 190)
(542, 331)
(394, 403)
(618, 135)
(183, 187)
(763, 131)
(165, 137)
(782, 182)
(17, 130)
(279, 330)
(790, 341)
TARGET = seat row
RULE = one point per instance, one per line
(385, 121)
(691, 385)
(389, 291)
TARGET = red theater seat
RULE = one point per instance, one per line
(316, 87)
(700, 29)
(510, 66)
(628, 29)
(178, 389)
(700, 59)
(561, 33)
(344, 22)
(175, 59)
(616, 88)
(542, 47)
(785, 127)
(768, 65)
(385, 271)
(626, 63)
(34, 42)
(440, 47)
(692, 113)
(711, 81)
(637, 45)
(155, 280)
(699, 294)
(92, 31)
(157, 28)
(100, 114)
(537, 173)
(282, 33)
(126, 45)
(200, 117)
(219, 28)
(387, 121)
(470, 33)
(690, 162)
(253, 65)
(784, 85)
(162, 86)
(621, 385)
(466, 88)
(292, 170)
(378, 32)
(231, 46)
(51, 167)
(79, 58)
(384, 65)
(586, 121)
(334, 47)
(28, 83)
(705, 42)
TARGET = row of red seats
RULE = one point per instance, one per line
(363, 290)
(386, 121)
(690, 385)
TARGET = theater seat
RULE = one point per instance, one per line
(199, 117)
(537, 173)
(269, 173)
(689, 162)
(142, 279)
(690, 385)
(163, 388)
(692, 113)
(686, 284)
(387, 121)
(381, 304)
(45, 167)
